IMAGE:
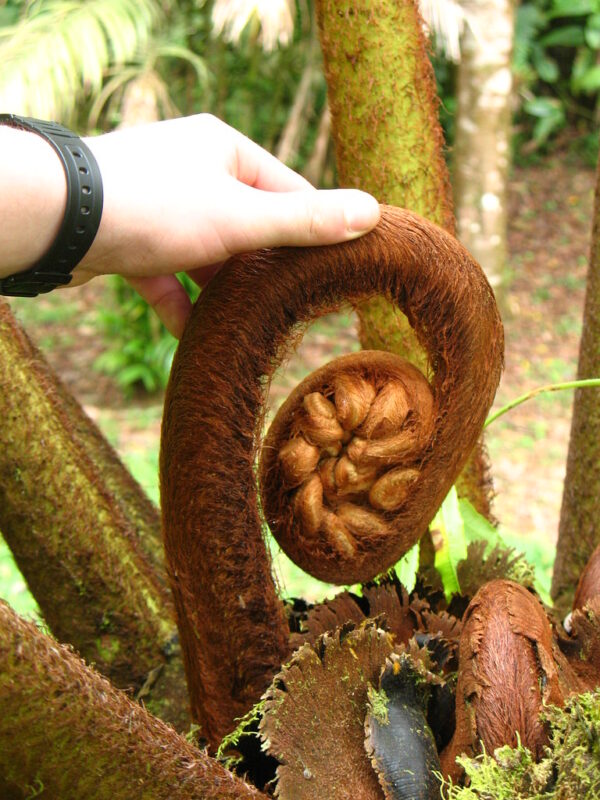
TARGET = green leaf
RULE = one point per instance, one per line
(448, 532)
(592, 32)
(589, 82)
(550, 114)
(406, 569)
(476, 526)
(571, 8)
(542, 107)
(8, 16)
(138, 373)
(567, 36)
(546, 67)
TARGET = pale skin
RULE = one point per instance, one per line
(179, 196)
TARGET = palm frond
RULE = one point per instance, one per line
(59, 52)
(147, 82)
(274, 18)
(446, 19)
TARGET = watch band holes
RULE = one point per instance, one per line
(85, 209)
(71, 247)
(86, 190)
(83, 170)
(80, 229)
(76, 153)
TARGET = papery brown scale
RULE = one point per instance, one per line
(353, 398)
(298, 460)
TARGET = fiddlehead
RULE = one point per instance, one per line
(233, 631)
(340, 459)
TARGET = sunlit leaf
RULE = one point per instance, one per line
(406, 568)
(567, 36)
(570, 8)
(274, 18)
(448, 534)
(476, 526)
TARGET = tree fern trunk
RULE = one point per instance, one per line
(68, 734)
(389, 142)
(579, 530)
(82, 531)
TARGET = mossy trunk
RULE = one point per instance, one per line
(389, 142)
(83, 533)
(579, 530)
(67, 734)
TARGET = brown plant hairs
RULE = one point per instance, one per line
(233, 630)
(588, 586)
(508, 670)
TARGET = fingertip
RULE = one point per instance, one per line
(361, 212)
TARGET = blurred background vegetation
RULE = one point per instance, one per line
(99, 64)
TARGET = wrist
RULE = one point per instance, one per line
(102, 257)
(32, 199)
(82, 211)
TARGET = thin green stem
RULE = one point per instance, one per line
(552, 387)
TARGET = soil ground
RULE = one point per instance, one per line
(549, 229)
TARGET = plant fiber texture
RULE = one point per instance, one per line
(233, 630)
(68, 734)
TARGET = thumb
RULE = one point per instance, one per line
(308, 217)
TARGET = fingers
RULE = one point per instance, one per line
(269, 219)
(167, 297)
(258, 168)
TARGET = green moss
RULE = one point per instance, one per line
(378, 704)
(570, 769)
(108, 647)
(247, 726)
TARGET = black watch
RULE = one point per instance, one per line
(82, 215)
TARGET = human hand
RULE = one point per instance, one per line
(185, 194)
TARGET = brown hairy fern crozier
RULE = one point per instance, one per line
(340, 459)
(233, 630)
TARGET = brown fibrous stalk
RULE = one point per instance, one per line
(234, 634)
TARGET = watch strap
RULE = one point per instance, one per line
(82, 214)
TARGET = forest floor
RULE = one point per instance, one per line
(549, 230)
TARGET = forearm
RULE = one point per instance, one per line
(33, 196)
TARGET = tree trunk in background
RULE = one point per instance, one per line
(579, 530)
(482, 140)
(389, 142)
(83, 533)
